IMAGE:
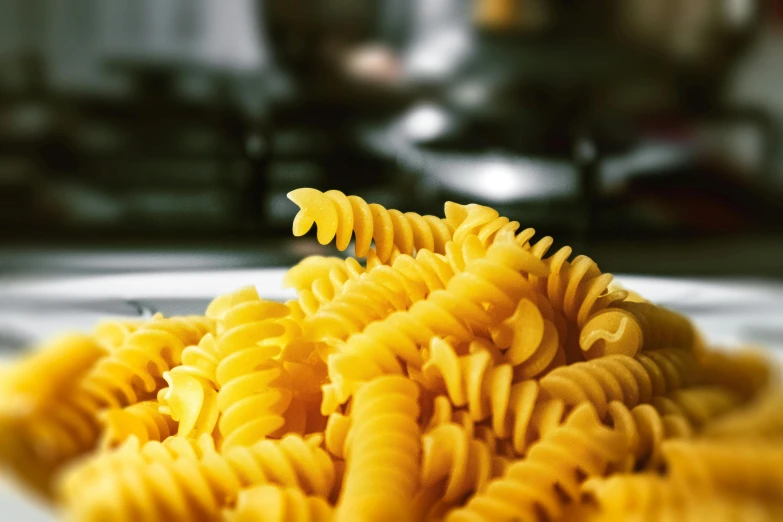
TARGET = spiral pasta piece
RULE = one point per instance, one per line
(457, 463)
(628, 328)
(577, 288)
(651, 498)
(241, 306)
(382, 452)
(747, 372)
(318, 279)
(129, 373)
(485, 223)
(141, 420)
(191, 398)
(748, 469)
(30, 383)
(760, 419)
(497, 281)
(68, 424)
(644, 429)
(611, 331)
(378, 293)
(270, 503)
(188, 480)
(534, 488)
(531, 339)
(487, 389)
(113, 332)
(661, 327)
(338, 217)
(699, 404)
(622, 378)
(336, 433)
(255, 391)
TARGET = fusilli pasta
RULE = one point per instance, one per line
(460, 373)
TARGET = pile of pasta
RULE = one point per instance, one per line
(461, 371)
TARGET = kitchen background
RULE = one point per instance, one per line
(647, 132)
(141, 136)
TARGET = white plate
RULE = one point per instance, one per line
(730, 313)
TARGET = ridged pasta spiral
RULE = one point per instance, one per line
(335, 434)
(68, 425)
(338, 217)
(699, 404)
(271, 503)
(382, 452)
(378, 293)
(479, 221)
(577, 288)
(40, 426)
(652, 498)
(747, 372)
(182, 479)
(644, 429)
(129, 374)
(747, 469)
(141, 420)
(487, 390)
(29, 384)
(496, 281)
(255, 390)
(628, 328)
(317, 279)
(760, 419)
(457, 463)
(191, 398)
(531, 338)
(534, 488)
(113, 332)
(629, 380)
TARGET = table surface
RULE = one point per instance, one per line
(731, 313)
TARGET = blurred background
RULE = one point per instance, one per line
(163, 135)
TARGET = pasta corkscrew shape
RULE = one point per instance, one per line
(338, 217)
(460, 371)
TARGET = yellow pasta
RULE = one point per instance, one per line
(338, 217)
(577, 288)
(317, 280)
(761, 419)
(142, 420)
(254, 389)
(645, 429)
(478, 221)
(191, 398)
(382, 452)
(456, 463)
(651, 498)
(582, 446)
(129, 373)
(460, 373)
(377, 294)
(699, 404)
(113, 332)
(496, 281)
(629, 380)
(628, 327)
(42, 376)
(748, 469)
(270, 503)
(187, 480)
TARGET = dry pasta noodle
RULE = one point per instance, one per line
(454, 370)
